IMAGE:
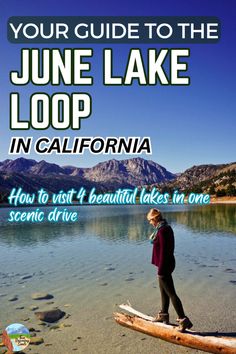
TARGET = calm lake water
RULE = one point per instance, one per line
(102, 260)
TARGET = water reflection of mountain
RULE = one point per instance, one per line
(209, 218)
(120, 226)
(115, 228)
(25, 235)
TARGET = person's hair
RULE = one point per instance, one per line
(154, 214)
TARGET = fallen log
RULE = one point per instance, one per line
(208, 342)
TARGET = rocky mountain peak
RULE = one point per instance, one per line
(19, 165)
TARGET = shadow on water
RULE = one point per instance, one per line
(120, 226)
(210, 334)
(216, 334)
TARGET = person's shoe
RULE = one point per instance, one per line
(184, 323)
(162, 317)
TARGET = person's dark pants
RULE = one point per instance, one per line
(168, 293)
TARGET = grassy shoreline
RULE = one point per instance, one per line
(223, 200)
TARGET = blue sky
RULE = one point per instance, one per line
(188, 125)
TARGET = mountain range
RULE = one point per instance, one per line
(217, 180)
(109, 175)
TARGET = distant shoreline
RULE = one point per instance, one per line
(214, 200)
(223, 200)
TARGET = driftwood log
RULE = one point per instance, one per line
(208, 342)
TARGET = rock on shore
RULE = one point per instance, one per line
(41, 296)
(50, 316)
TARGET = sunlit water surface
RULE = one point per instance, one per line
(103, 259)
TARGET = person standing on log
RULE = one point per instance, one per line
(163, 257)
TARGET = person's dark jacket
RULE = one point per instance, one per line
(163, 251)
